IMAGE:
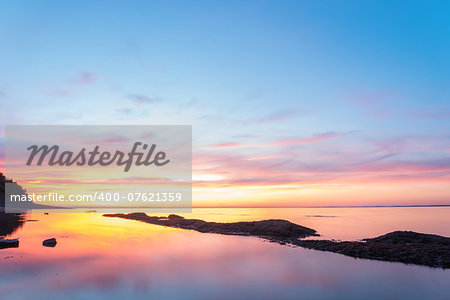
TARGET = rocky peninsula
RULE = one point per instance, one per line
(270, 229)
(399, 246)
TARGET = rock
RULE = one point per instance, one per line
(175, 217)
(399, 246)
(49, 242)
(410, 237)
(273, 229)
(5, 243)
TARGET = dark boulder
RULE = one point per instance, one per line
(49, 242)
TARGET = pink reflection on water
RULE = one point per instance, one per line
(118, 258)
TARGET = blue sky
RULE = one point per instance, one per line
(368, 80)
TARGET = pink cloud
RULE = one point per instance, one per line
(309, 140)
(227, 145)
(111, 140)
(406, 167)
(362, 163)
(281, 142)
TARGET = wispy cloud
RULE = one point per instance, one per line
(389, 148)
(281, 115)
(278, 116)
(124, 110)
(142, 99)
(374, 104)
(114, 139)
(428, 114)
(239, 170)
(246, 136)
(227, 145)
(279, 142)
(309, 140)
(60, 93)
(85, 78)
(189, 104)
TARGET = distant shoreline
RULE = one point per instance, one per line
(329, 206)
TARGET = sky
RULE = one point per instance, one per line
(292, 103)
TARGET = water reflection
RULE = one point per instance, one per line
(9, 223)
(104, 258)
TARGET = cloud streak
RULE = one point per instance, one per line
(142, 99)
(309, 140)
(279, 116)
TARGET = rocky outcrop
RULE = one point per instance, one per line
(410, 237)
(13, 188)
(399, 246)
(273, 229)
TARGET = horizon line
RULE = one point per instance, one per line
(285, 206)
(329, 206)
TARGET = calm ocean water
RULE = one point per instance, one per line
(98, 257)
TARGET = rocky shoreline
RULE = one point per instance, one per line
(398, 246)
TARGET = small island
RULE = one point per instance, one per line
(400, 246)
